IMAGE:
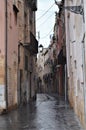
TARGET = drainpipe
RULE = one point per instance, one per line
(6, 87)
(65, 84)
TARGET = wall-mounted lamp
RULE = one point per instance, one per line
(40, 48)
(74, 9)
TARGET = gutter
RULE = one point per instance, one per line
(6, 87)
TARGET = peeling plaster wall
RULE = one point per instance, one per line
(75, 60)
(12, 55)
(2, 55)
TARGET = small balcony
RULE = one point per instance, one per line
(32, 44)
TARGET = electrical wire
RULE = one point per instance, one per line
(45, 20)
(45, 12)
(46, 34)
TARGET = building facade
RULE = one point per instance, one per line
(75, 48)
(60, 51)
(28, 48)
(2, 56)
(18, 49)
(49, 75)
(40, 70)
(9, 55)
(47, 71)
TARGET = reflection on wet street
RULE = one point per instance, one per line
(47, 113)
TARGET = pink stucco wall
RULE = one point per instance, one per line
(2, 55)
(12, 55)
(2, 27)
(12, 34)
(60, 40)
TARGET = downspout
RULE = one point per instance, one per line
(6, 87)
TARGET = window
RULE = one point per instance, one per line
(26, 62)
(15, 9)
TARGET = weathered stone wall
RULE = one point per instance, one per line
(75, 60)
(12, 54)
(2, 56)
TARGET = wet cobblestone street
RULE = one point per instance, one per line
(47, 113)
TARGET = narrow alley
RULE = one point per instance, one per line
(49, 112)
(42, 64)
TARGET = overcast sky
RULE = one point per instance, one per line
(45, 19)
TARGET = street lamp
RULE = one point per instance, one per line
(40, 48)
(74, 9)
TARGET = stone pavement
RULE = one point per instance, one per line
(47, 113)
